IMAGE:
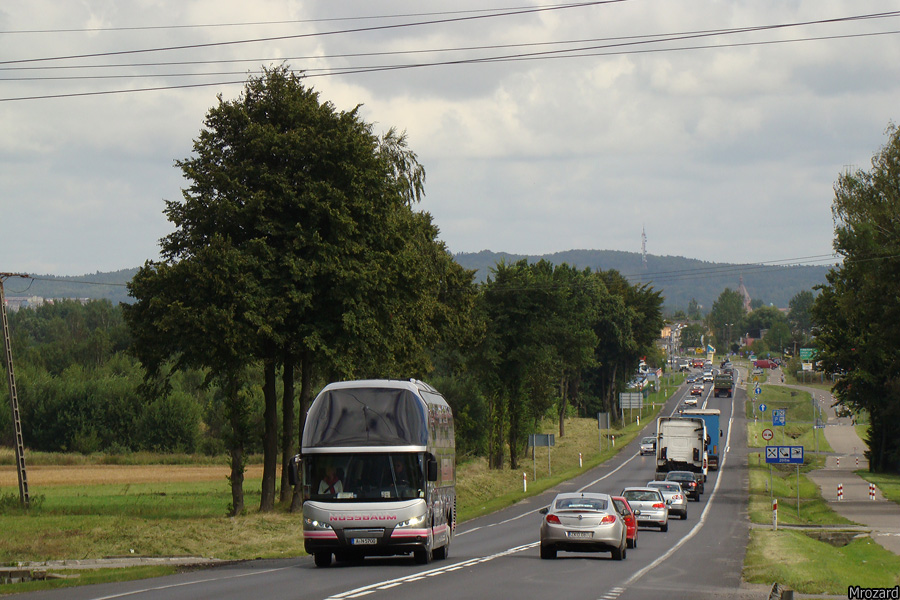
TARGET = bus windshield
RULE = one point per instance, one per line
(364, 476)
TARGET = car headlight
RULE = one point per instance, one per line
(316, 524)
(414, 522)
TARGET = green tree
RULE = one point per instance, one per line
(857, 314)
(693, 311)
(314, 213)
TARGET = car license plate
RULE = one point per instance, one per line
(579, 534)
(363, 541)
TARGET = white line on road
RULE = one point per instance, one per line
(186, 583)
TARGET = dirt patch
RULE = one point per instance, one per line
(42, 475)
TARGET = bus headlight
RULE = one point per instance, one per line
(313, 524)
(414, 522)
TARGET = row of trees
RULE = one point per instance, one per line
(772, 331)
(297, 258)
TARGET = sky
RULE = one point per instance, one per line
(717, 128)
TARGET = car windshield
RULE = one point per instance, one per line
(580, 504)
(641, 495)
(648, 440)
(669, 487)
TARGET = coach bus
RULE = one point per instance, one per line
(377, 466)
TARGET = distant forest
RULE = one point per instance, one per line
(680, 279)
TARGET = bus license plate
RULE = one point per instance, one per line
(363, 541)
(580, 534)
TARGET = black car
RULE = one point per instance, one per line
(689, 483)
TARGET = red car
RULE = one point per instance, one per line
(631, 525)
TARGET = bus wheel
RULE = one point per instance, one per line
(442, 552)
(423, 556)
(323, 559)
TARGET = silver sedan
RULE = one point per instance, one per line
(674, 495)
(582, 522)
(650, 502)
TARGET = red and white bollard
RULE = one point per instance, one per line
(579, 460)
(524, 481)
(857, 461)
(840, 491)
(871, 491)
(839, 461)
(775, 514)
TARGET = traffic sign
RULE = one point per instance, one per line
(757, 391)
(762, 407)
(767, 434)
(784, 454)
(778, 417)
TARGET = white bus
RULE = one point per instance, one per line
(378, 469)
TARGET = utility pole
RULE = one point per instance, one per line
(13, 397)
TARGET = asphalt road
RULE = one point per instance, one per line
(497, 556)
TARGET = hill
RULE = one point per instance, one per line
(680, 279)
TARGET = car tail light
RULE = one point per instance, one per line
(659, 505)
(608, 519)
(553, 519)
(678, 496)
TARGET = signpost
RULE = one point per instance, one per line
(786, 455)
(541, 439)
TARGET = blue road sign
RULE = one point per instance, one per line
(784, 454)
(758, 390)
(762, 407)
(778, 417)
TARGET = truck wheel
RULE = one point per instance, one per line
(323, 559)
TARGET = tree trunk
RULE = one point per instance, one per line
(237, 421)
(270, 436)
(563, 401)
(305, 398)
(287, 425)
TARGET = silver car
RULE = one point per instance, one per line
(674, 495)
(648, 445)
(651, 504)
(582, 522)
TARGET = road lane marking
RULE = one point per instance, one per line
(368, 589)
(186, 583)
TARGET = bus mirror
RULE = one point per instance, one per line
(293, 470)
(432, 474)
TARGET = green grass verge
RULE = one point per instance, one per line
(809, 566)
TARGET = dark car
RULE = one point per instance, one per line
(691, 486)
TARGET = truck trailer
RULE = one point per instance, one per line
(713, 447)
(681, 445)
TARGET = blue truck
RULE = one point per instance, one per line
(714, 435)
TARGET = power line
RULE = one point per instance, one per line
(284, 22)
(514, 12)
(566, 53)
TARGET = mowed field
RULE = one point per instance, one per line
(40, 476)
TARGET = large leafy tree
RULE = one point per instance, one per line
(314, 211)
(857, 313)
